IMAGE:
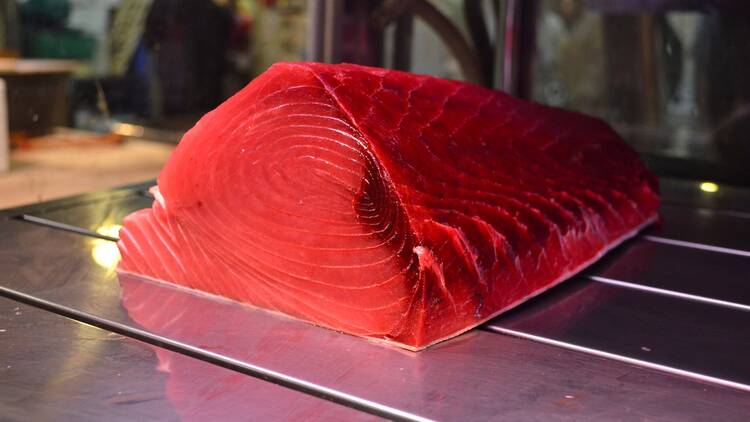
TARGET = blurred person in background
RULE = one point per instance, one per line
(188, 40)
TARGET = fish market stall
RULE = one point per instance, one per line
(518, 240)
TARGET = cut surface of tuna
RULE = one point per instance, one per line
(384, 204)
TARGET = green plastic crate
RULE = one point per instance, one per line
(60, 44)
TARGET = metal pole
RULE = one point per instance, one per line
(323, 30)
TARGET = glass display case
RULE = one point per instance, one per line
(668, 75)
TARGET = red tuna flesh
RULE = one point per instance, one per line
(383, 204)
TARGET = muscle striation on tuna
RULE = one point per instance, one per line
(384, 204)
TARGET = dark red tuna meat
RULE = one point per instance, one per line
(383, 204)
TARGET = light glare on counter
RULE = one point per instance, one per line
(105, 252)
(709, 187)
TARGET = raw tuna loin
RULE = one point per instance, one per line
(384, 204)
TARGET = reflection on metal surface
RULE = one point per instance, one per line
(53, 368)
(64, 370)
(278, 379)
(709, 187)
(96, 214)
(688, 194)
(666, 331)
(620, 358)
(105, 252)
(698, 273)
(175, 315)
(484, 361)
(219, 394)
(702, 226)
(109, 229)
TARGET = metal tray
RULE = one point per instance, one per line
(655, 330)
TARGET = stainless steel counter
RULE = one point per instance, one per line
(657, 330)
(57, 369)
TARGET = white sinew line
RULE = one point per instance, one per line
(625, 359)
(694, 245)
(672, 293)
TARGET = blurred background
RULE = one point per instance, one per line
(96, 93)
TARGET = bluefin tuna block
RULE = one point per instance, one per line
(384, 204)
